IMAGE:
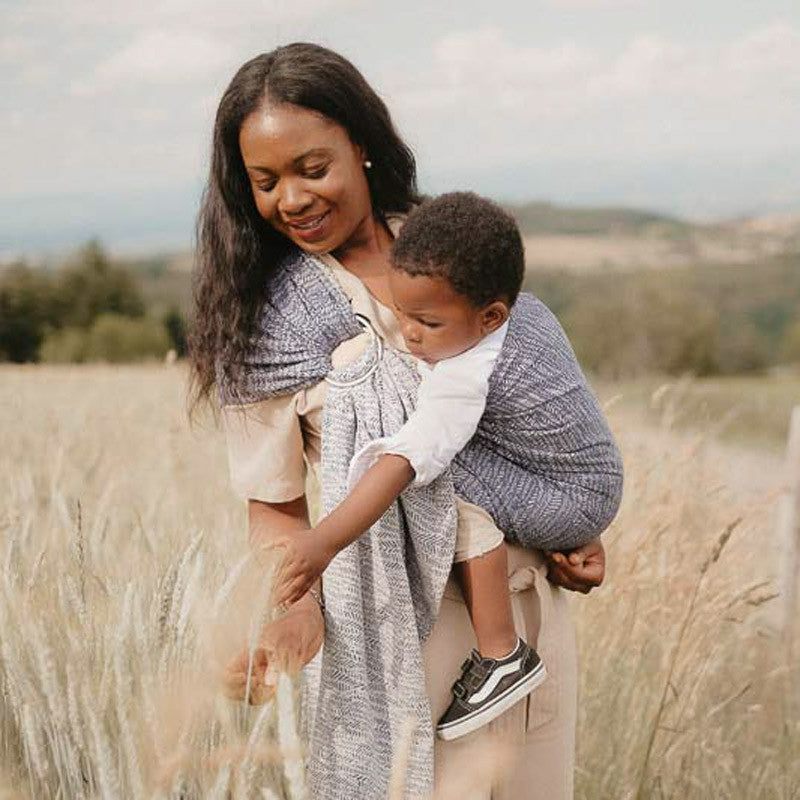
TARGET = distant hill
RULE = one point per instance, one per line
(546, 218)
(581, 240)
(592, 239)
(575, 239)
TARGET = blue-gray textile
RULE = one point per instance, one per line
(382, 596)
(542, 463)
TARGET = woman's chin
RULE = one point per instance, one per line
(316, 246)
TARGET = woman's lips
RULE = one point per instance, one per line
(310, 229)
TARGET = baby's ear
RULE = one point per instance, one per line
(493, 316)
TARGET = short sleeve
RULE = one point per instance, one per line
(265, 449)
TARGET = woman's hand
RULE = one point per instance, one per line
(286, 645)
(579, 570)
(306, 555)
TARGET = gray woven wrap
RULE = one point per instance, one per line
(543, 463)
(382, 595)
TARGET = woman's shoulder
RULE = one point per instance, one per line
(304, 318)
(302, 289)
(296, 270)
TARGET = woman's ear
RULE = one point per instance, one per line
(493, 316)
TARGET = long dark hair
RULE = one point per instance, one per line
(237, 249)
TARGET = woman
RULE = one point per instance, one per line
(305, 157)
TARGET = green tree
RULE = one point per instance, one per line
(176, 328)
(91, 285)
(112, 337)
(65, 346)
(790, 344)
(630, 325)
(117, 338)
(742, 347)
(681, 331)
(25, 299)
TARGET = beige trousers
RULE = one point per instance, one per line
(528, 753)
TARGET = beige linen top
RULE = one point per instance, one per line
(273, 442)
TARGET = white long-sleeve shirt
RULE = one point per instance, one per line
(450, 402)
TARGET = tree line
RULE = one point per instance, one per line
(91, 309)
(725, 319)
(707, 320)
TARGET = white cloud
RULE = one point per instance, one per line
(124, 14)
(766, 60)
(567, 80)
(486, 56)
(772, 51)
(483, 67)
(597, 3)
(24, 60)
(159, 57)
(14, 48)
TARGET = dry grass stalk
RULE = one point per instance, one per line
(126, 585)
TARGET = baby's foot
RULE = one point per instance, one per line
(489, 686)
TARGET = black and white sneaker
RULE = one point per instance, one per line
(489, 686)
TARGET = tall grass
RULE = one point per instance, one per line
(118, 540)
(684, 688)
(125, 585)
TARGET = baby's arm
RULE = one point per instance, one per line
(366, 503)
(450, 403)
(310, 553)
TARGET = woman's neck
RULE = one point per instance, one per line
(366, 252)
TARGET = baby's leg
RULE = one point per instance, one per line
(505, 668)
(484, 582)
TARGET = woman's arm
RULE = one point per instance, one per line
(291, 641)
(274, 525)
(268, 520)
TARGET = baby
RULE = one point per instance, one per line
(453, 305)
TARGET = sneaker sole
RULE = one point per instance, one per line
(503, 702)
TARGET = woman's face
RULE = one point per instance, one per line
(307, 176)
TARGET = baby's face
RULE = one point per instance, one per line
(436, 321)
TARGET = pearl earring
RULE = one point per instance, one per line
(367, 165)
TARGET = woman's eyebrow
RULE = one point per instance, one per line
(317, 151)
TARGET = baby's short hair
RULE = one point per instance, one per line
(469, 241)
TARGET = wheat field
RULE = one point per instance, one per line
(126, 583)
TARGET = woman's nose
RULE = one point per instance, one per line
(293, 198)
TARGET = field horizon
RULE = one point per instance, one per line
(571, 236)
(124, 549)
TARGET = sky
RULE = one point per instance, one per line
(689, 107)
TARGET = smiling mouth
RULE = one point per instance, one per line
(308, 224)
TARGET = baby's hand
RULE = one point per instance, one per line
(304, 561)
